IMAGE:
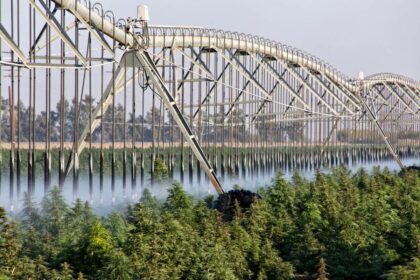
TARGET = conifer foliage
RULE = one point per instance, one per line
(337, 226)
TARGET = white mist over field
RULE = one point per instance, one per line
(108, 199)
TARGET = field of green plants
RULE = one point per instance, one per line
(336, 226)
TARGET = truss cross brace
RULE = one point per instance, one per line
(305, 83)
(156, 80)
(144, 61)
(395, 93)
(12, 45)
(372, 117)
(55, 25)
(100, 109)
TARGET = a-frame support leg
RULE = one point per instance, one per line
(156, 80)
(373, 118)
(146, 63)
(102, 107)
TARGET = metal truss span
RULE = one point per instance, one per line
(203, 98)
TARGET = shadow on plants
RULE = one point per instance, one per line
(227, 202)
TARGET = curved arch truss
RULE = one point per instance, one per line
(233, 99)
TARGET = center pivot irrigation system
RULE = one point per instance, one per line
(255, 100)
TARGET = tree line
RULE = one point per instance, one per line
(156, 124)
(153, 118)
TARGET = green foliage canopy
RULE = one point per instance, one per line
(337, 226)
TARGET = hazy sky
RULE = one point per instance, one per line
(353, 35)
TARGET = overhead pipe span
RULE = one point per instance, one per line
(200, 37)
(103, 24)
(172, 36)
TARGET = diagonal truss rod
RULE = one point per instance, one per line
(103, 105)
(55, 25)
(12, 45)
(413, 94)
(331, 92)
(239, 95)
(350, 93)
(407, 93)
(101, 108)
(310, 88)
(41, 33)
(198, 62)
(210, 91)
(234, 61)
(394, 92)
(385, 103)
(92, 29)
(280, 79)
(250, 80)
(333, 129)
(373, 118)
(416, 95)
(38, 46)
(160, 87)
